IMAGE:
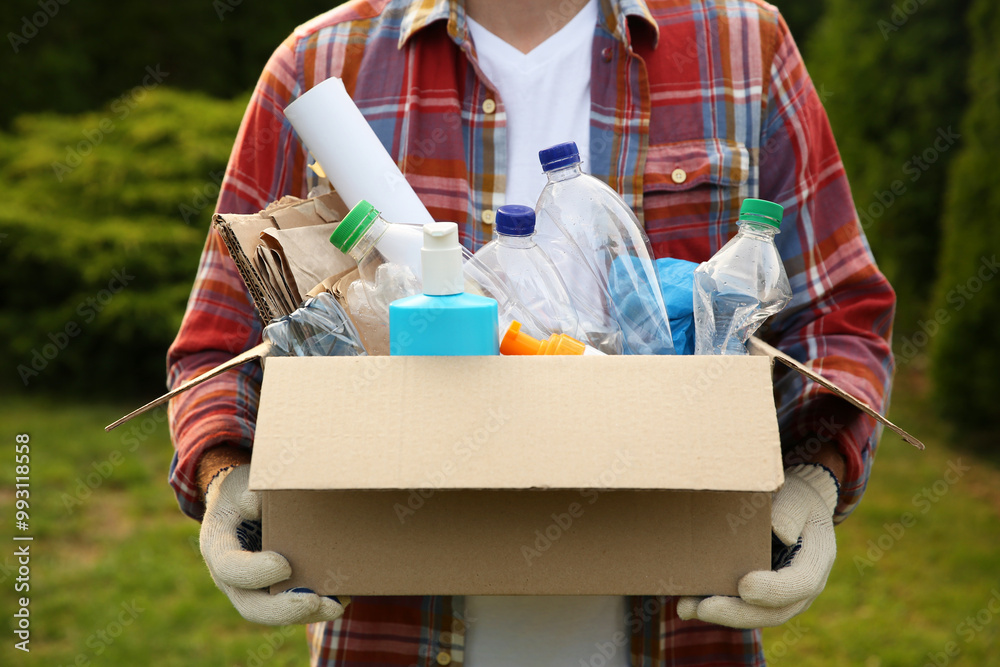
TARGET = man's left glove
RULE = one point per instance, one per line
(230, 545)
(802, 519)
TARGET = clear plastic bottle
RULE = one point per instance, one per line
(529, 274)
(741, 285)
(389, 261)
(318, 328)
(388, 257)
(605, 258)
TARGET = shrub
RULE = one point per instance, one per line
(966, 349)
(71, 57)
(102, 225)
(894, 78)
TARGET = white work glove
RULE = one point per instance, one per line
(802, 519)
(230, 545)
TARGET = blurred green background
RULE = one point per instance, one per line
(118, 124)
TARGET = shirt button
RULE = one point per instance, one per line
(489, 217)
(489, 106)
(606, 54)
(443, 658)
(679, 176)
(445, 638)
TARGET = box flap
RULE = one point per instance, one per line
(757, 346)
(697, 423)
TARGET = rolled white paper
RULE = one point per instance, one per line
(333, 129)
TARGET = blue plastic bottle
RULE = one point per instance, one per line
(444, 320)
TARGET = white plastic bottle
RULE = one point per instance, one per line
(741, 285)
(604, 256)
(529, 274)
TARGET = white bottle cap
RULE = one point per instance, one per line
(441, 258)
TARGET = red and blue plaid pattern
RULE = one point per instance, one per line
(696, 105)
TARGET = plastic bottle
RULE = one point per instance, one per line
(318, 328)
(741, 285)
(584, 223)
(388, 257)
(516, 342)
(528, 273)
(389, 261)
(444, 320)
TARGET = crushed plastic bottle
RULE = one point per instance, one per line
(530, 275)
(605, 257)
(741, 285)
(317, 328)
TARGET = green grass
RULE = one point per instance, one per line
(109, 539)
(116, 576)
(904, 601)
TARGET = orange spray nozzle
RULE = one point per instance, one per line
(517, 343)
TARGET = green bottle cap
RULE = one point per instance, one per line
(762, 211)
(353, 226)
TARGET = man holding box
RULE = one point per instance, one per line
(686, 108)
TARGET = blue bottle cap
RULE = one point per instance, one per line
(515, 220)
(559, 156)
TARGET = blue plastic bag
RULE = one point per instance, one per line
(677, 285)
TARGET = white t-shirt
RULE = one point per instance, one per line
(546, 94)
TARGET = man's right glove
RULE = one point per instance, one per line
(231, 549)
(802, 520)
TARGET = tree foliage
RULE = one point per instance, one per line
(966, 348)
(894, 73)
(76, 56)
(801, 18)
(104, 217)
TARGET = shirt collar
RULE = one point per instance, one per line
(418, 14)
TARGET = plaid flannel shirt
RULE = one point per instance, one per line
(695, 106)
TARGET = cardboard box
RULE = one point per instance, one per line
(518, 475)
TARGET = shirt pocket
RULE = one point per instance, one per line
(692, 192)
